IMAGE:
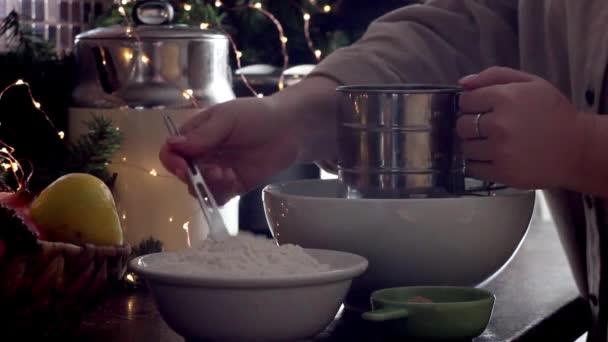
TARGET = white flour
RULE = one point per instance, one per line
(244, 255)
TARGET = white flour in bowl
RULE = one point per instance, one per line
(243, 255)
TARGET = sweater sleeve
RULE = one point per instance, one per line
(435, 42)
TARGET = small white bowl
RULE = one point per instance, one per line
(220, 308)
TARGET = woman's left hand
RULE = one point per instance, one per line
(528, 136)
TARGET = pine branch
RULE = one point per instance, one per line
(93, 152)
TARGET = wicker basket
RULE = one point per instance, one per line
(51, 289)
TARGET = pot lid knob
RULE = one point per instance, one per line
(152, 12)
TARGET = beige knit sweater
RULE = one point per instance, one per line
(563, 41)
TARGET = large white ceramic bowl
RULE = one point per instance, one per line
(216, 308)
(445, 241)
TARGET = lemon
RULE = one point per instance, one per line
(78, 208)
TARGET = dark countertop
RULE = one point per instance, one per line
(536, 296)
(536, 300)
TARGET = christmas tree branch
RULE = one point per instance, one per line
(93, 151)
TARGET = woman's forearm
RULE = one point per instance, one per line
(438, 42)
(310, 109)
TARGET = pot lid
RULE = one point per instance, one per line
(151, 32)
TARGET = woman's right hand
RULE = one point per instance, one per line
(236, 144)
(240, 143)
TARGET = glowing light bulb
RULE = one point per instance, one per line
(153, 173)
(19, 82)
(61, 134)
(145, 59)
(37, 104)
(15, 167)
(124, 216)
(306, 16)
(239, 54)
(327, 8)
(3, 150)
(218, 4)
(318, 53)
(124, 159)
(260, 95)
(130, 277)
(128, 55)
(124, 2)
(6, 166)
(187, 7)
(284, 39)
(204, 26)
(122, 11)
(186, 226)
(170, 219)
(258, 5)
(281, 85)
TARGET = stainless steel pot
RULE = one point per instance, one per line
(152, 64)
(399, 141)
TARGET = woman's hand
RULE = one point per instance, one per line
(236, 144)
(528, 136)
(240, 143)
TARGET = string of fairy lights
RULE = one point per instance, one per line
(7, 161)
(10, 164)
(307, 17)
(307, 21)
(258, 6)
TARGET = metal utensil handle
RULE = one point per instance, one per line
(204, 196)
